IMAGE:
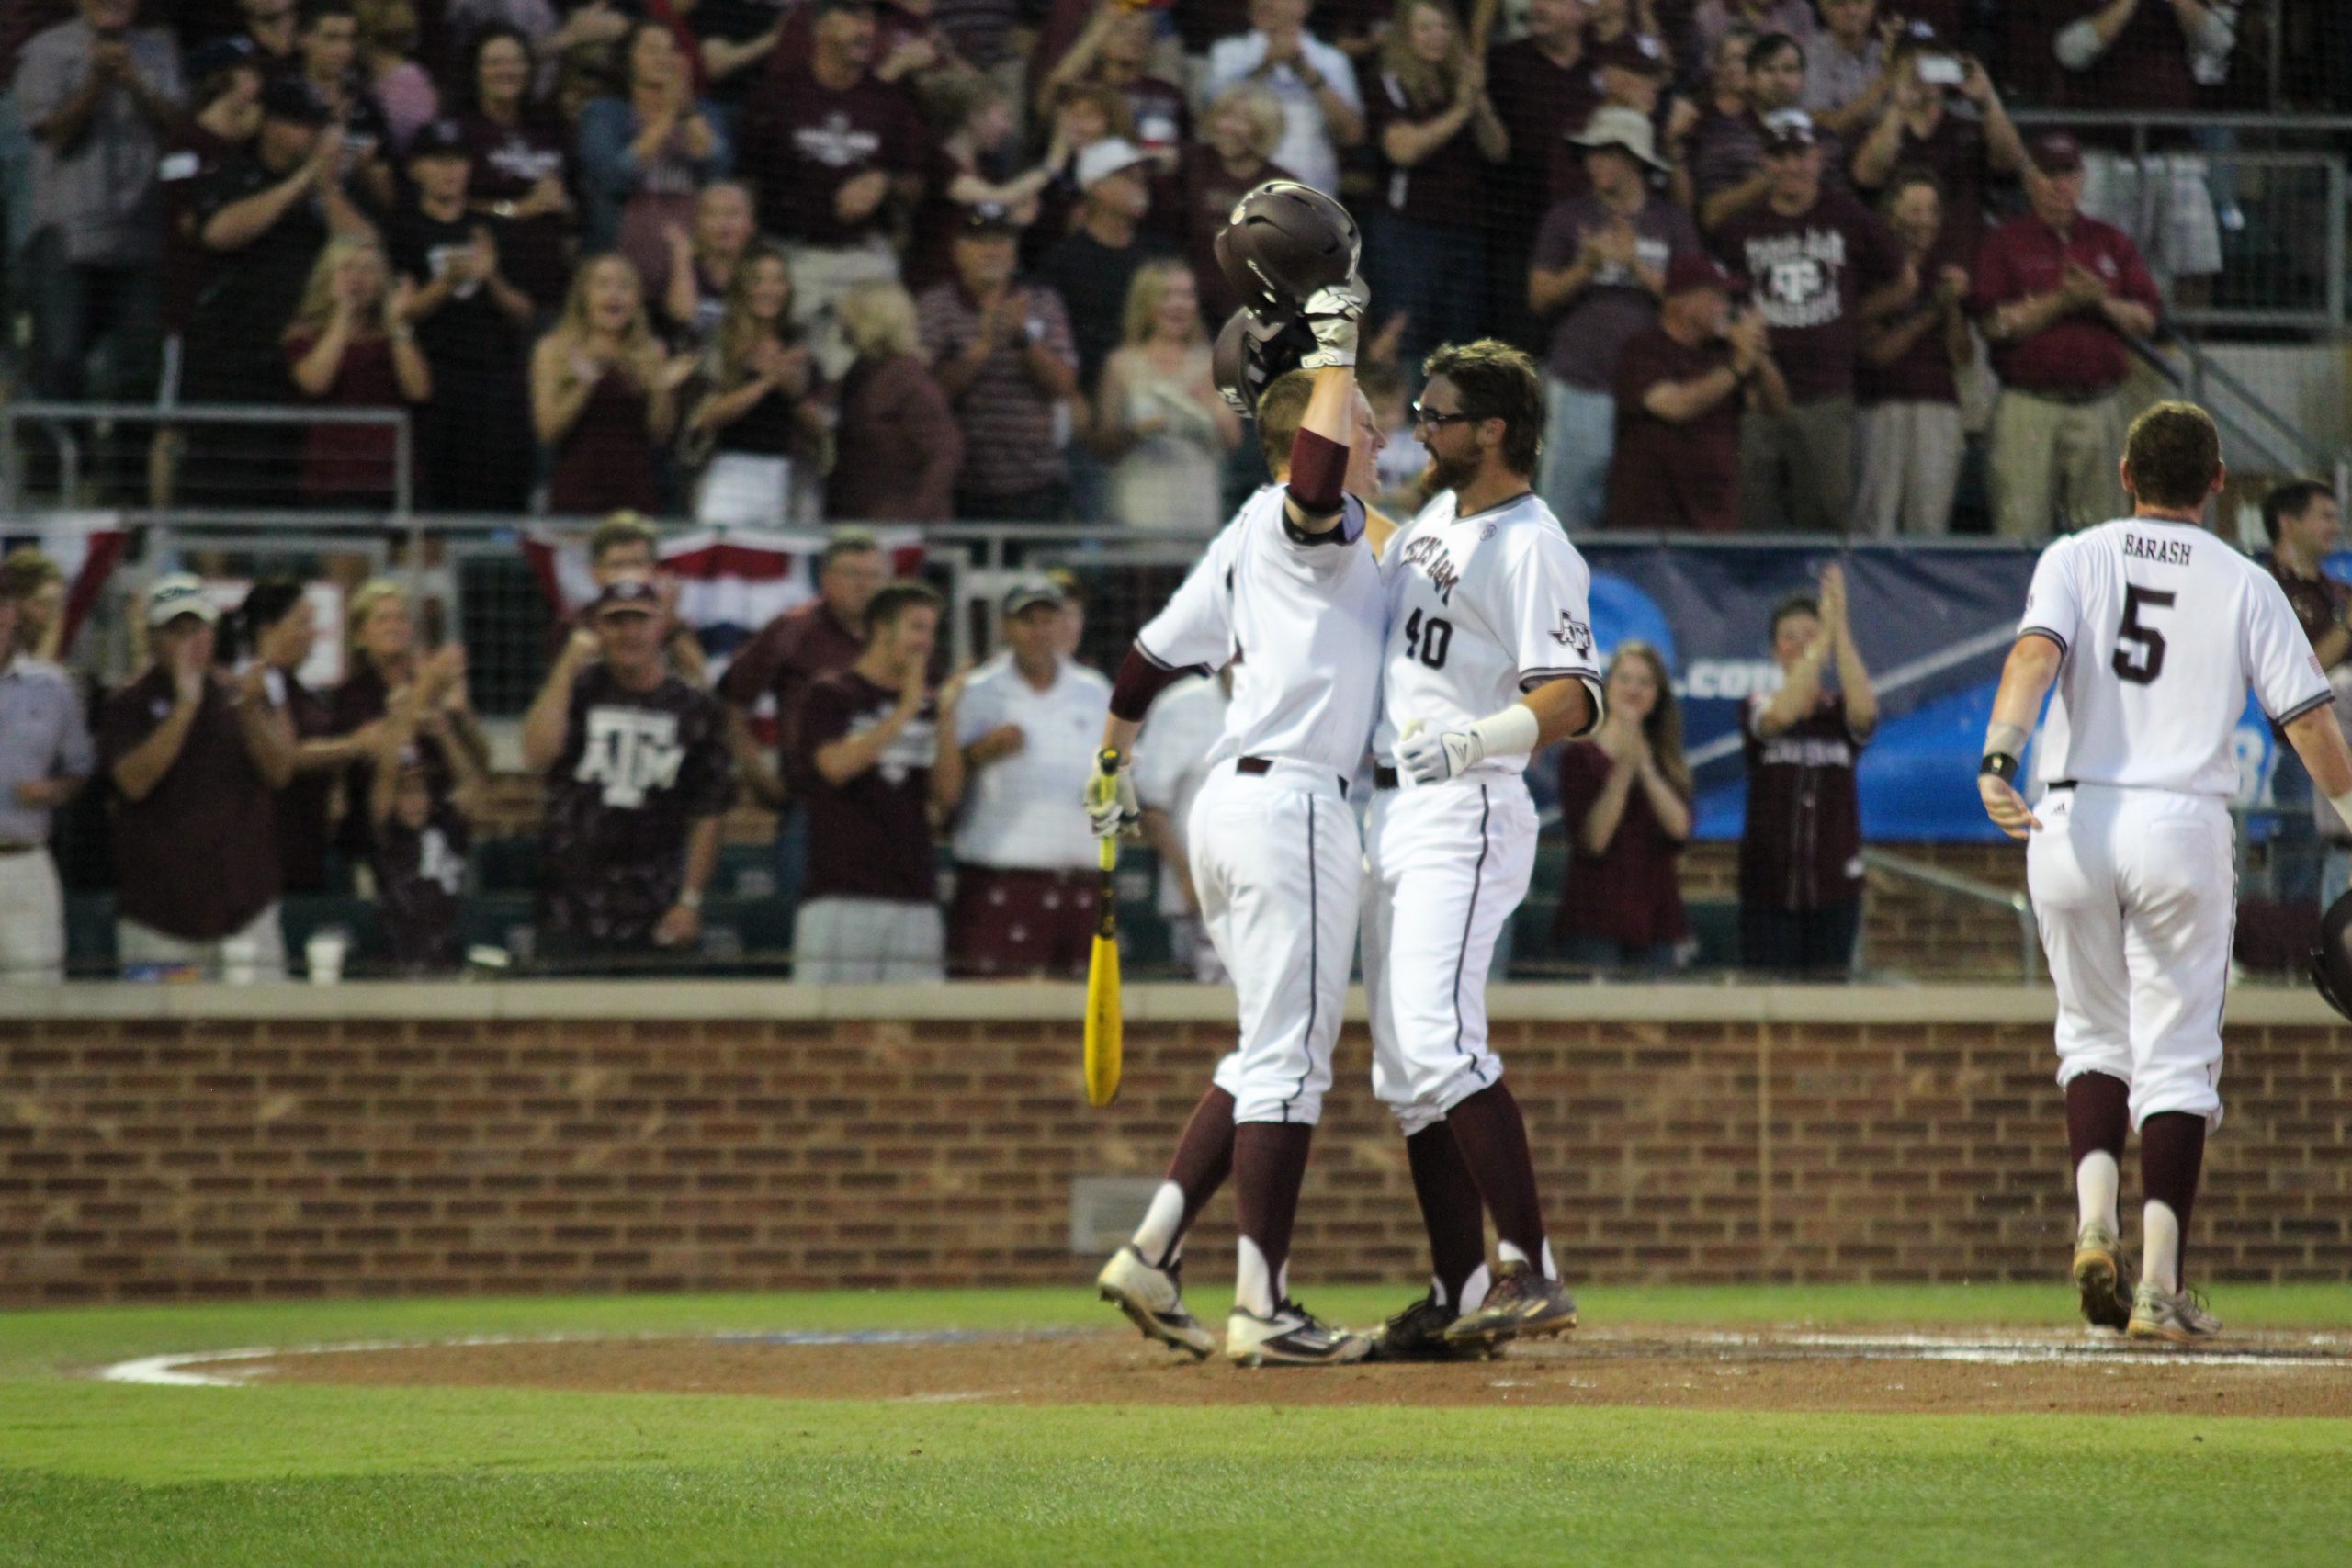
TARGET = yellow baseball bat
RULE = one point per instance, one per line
(1104, 1027)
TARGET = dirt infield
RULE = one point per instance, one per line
(1932, 1372)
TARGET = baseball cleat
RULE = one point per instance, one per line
(1294, 1336)
(1153, 1300)
(2177, 1318)
(1417, 1334)
(2101, 1280)
(1521, 1305)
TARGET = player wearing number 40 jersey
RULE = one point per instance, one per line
(2152, 631)
(1490, 656)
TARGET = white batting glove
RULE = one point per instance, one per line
(1332, 314)
(1112, 808)
(1432, 756)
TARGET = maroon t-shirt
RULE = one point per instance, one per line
(638, 770)
(1449, 185)
(2077, 353)
(344, 459)
(2145, 68)
(778, 664)
(1663, 475)
(420, 881)
(303, 806)
(508, 161)
(1801, 847)
(1954, 150)
(1628, 892)
(1922, 373)
(197, 858)
(807, 141)
(1586, 334)
(869, 838)
(1809, 274)
(1539, 103)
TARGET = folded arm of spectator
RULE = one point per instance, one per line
(839, 762)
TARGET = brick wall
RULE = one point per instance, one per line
(177, 1158)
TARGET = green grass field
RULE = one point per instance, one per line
(93, 1472)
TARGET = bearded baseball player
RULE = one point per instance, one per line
(2152, 631)
(1290, 591)
(1490, 656)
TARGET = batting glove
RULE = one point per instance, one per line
(1332, 314)
(1112, 808)
(1432, 756)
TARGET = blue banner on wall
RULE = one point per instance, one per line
(1933, 623)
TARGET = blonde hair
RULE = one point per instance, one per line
(1663, 727)
(318, 294)
(739, 331)
(1426, 87)
(878, 318)
(1264, 109)
(364, 599)
(637, 339)
(1144, 295)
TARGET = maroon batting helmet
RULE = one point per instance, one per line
(1284, 242)
(1251, 354)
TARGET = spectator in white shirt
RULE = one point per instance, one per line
(1322, 109)
(45, 754)
(1171, 760)
(1025, 861)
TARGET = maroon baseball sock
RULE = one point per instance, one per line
(1269, 1167)
(1204, 1159)
(1493, 1138)
(1450, 1209)
(2098, 1116)
(2172, 1157)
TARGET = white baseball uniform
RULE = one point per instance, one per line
(2163, 627)
(1277, 861)
(1481, 609)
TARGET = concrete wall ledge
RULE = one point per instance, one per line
(688, 1000)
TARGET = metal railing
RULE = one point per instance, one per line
(1968, 887)
(60, 424)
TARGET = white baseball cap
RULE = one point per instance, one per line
(180, 593)
(1102, 158)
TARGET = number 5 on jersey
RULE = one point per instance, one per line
(2139, 647)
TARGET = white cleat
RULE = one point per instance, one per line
(2177, 1318)
(1294, 1336)
(1153, 1300)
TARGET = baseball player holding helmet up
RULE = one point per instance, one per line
(1289, 594)
(2152, 631)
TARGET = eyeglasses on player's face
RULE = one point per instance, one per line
(1426, 418)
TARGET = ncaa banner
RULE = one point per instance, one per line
(1933, 622)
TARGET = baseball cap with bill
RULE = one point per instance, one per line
(1101, 160)
(627, 596)
(1697, 269)
(1614, 125)
(1030, 594)
(438, 139)
(2055, 152)
(1788, 131)
(988, 217)
(180, 593)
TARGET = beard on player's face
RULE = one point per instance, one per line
(1451, 469)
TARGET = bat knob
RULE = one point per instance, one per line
(1107, 760)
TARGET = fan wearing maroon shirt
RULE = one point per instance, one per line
(1908, 431)
(2059, 295)
(420, 839)
(1232, 158)
(638, 773)
(1625, 806)
(833, 148)
(1542, 88)
(1683, 388)
(878, 750)
(1918, 130)
(763, 687)
(1116, 50)
(1821, 267)
(1801, 847)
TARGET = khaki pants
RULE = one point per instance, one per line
(820, 275)
(32, 920)
(2054, 461)
(1796, 469)
(1910, 467)
(242, 957)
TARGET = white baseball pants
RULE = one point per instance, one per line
(1447, 864)
(1279, 867)
(2136, 896)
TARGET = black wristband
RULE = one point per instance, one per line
(1999, 764)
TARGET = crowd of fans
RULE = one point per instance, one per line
(915, 259)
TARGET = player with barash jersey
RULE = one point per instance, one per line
(2152, 630)
(1490, 656)
(1290, 596)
